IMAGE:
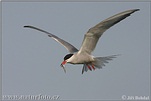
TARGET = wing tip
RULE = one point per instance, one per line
(25, 26)
(28, 26)
(137, 9)
(134, 10)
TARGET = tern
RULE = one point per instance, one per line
(83, 55)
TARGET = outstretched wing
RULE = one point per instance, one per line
(67, 45)
(92, 36)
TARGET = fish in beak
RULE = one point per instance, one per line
(62, 65)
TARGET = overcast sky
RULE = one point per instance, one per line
(31, 60)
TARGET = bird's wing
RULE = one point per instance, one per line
(67, 45)
(92, 36)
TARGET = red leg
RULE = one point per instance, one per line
(93, 67)
(89, 67)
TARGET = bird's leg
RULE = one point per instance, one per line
(89, 67)
(93, 67)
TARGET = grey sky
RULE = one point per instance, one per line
(31, 60)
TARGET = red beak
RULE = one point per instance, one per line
(64, 62)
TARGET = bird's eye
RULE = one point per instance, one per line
(67, 56)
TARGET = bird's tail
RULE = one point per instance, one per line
(98, 63)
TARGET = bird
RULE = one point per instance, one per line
(84, 54)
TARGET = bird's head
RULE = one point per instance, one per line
(65, 61)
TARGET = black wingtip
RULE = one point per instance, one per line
(26, 26)
(136, 10)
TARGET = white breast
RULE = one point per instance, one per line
(80, 58)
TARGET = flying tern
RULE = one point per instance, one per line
(83, 55)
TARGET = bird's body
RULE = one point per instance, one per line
(80, 58)
(83, 56)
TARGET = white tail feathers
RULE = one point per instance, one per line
(98, 63)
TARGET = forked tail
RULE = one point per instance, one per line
(98, 63)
